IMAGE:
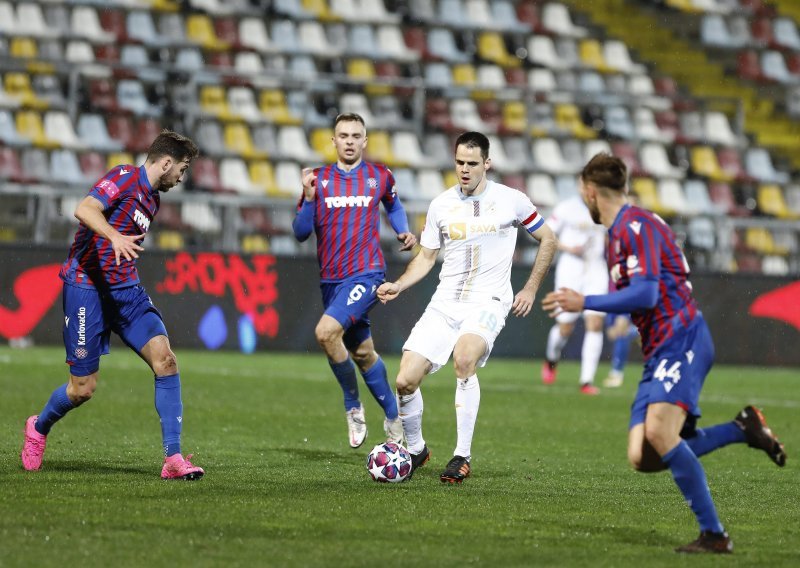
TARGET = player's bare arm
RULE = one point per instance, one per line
(90, 213)
(548, 244)
(309, 184)
(409, 241)
(416, 270)
(563, 300)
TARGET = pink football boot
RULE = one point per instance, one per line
(33, 448)
(176, 467)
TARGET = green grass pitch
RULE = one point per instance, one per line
(550, 485)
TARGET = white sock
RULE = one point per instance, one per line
(590, 355)
(555, 343)
(468, 400)
(411, 407)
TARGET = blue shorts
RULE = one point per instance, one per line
(90, 316)
(349, 302)
(676, 371)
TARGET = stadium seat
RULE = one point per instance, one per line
(697, 196)
(390, 38)
(406, 184)
(214, 102)
(289, 180)
(647, 192)
(379, 149)
(464, 115)
(547, 157)
(253, 35)
(556, 19)
(64, 168)
(438, 76)
(431, 183)
(406, 145)
(145, 131)
(566, 187)
(568, 118)
(200, 216)
(29, 125)
(321, 142)
(18, 87)
(85, 23)
(704, 163)
(36, 164)
(273, 105)
(357, 103)
(514, 118)
(239, 142)
(9, 136)
(208, 135)
(504, 17)
(500, 161)
(701, 233)
(115, 159)
(771, 201)
(492, 48)
(441, 45)
(204, 175)
(58, 127)
(93, 165)
(542, 51)
(542, 190)
(139, 26)
(11, 166)
(242, 103)
(292, 141)
(131, 96)
(672, 196)
(591, 55)
(200, 30)
(785, 34)
(311, 35)
(758, 165)
(618, 124)
(438, 148)
(283, 34)
(233, 174)
(724, 200)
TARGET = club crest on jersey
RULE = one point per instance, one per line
(141, 219)
(348, 201)
(372, 183)
(632, 263)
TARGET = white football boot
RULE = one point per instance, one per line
(394, 430)
(357, 426)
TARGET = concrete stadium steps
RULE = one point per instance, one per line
(672, 55)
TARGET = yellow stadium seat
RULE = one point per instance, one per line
(200, 30)
(684, 6)
(214, 102)
(760, 240)
(29, 125)
(492, 47)
(363, 70)
(238, 140)
(591, 54)
(379, 149)
(568, 117)
(321, 10)
(263, 175)
(450, 179)
(515, 117)
(170, 240)
(772, 202)
(321, 142)
(118, 159)
(165, 5)
(24, 48)
(647, 192)
(18, 86)
(705, 163)
(255, 244)
(464, 75)
(272, 103)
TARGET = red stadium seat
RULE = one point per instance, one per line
(437, 114)
(227, 29)
(627, 153)
(205, 175)
(528, 13)
(115, 22)
(722, 196)
(10, 165)
(102, 96)
(415, 41)
(93, 165)
(146, 131)
(748, 66)
(120, 128)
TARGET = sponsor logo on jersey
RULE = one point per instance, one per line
(109, 188)
(460, 231)
(348, 201)
(141, 219)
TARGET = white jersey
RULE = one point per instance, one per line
(479, 235)
(572, 223)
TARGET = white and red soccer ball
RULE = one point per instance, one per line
(389, 463)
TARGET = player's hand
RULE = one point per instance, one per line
(409, 240)
(388, 291)
(523, 302)
(562, 300)
(125, 246)
(309, 184)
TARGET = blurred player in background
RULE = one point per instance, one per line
(581, 265)
(341, 204)
(476, 222)
(620, 331)
(650, 277)
(102, 293)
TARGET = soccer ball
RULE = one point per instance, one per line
(389, 463)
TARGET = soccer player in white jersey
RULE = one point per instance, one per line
(475, 222)
(581, 266)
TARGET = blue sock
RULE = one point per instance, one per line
(55, 409)
(378, 385)
(345, 373)
(170, 411)
(620, 352)
(709, 439)
(690, 478)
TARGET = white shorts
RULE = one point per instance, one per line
(435, 334)
(588, 278)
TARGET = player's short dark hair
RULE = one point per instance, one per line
(176, 146)
(349, 117)
(474, 140)
(605, 170)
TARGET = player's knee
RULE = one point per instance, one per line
(326, 336)
(81, 389)
(166, 365)
(464, 365)
(405, 385)
(365, 359)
